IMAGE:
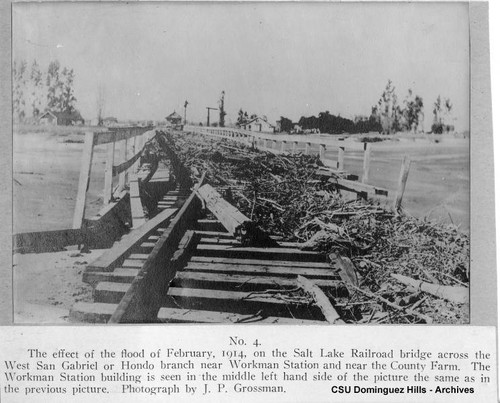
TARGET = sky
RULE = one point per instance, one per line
(273, 59)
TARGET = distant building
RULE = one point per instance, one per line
(109, 121)
(174, 119)
(61, 118)
(258, 125)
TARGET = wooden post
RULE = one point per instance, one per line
(366, 162)
(283, 145)
(294, 147)
(139, 145)
(322, 151)
(108, 173)
(308, 148)
(122, 158)
(403, 177)
(340, 159)
(274, 146)
(83, 182)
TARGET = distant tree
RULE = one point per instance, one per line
(19, 72)
(413, 111)
(54, 87)
(67, 98)
(437, 124)
(241, 117)
(388, 110)
(286, 125)
(36, 90)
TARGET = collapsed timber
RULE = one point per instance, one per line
(266, 238)
(290, 196)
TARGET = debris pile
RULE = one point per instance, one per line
(286, 197)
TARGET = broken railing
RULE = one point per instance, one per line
(124, 148)
(266, 142)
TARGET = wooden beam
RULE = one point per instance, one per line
(136, 209)
(108, 173)
(331, 315)
(322, 151)
(243, 282)
(84, 180)
(142, 300)
(359, 187)
(366, 162)
(340, 158)
(261, 270)
(120, 250)
(176, 315)
(118, 134)
(403, 177)
(259, 262)
(122, 159)
(257, 253)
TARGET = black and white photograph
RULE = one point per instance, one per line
(241, 163)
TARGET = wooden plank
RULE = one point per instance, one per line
(142, 300)
(108, 173)
(234, 242)
(91, 312)
(340, 158)
(215, 234)
(84, 180)
(362, 188)
(331, 315)
(366, 162)
(229, 216)
(136, 208)
(259, 262)
(262, 270)
(116, 276)
(258, 253)
(122, 158)
(237, 302)
(403, 177)
(176, 315)
(209, 225)
(109, 292)
(249, 282)
(117, 254)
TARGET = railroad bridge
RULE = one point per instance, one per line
(179, 252)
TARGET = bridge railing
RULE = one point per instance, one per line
(279, 144)
(124, 146)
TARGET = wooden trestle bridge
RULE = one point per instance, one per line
(190, 260)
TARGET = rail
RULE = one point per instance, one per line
(121, 164)
(279, 145)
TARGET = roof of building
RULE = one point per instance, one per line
(174, 115)
(257, 118)
(64, 115)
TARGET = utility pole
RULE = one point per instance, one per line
(222, 113)
(185, 107)
(208, 114)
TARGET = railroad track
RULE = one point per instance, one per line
(183, 266)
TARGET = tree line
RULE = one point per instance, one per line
(387, 116)
(36, 91)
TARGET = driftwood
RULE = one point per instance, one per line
(331, 315)
(459, 295)
(235, 222)
(347, 271)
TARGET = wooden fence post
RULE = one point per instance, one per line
(84, 180)
(294, 147)
(274, 145)
(283, 145)
(403, 177)
(308, 148)
(366, 162)
(322, 151)
(122, 158)
(108, 173)
(340, 159)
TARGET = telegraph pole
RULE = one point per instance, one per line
(185, 107)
